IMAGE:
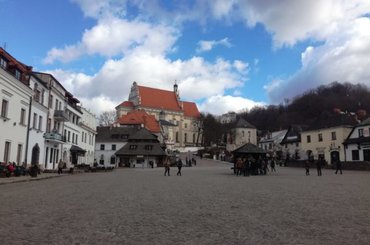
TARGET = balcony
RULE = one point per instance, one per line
(54, 137)
(61, 115)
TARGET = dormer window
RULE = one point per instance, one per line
(360, 132)
(133, 147)
(18, 74)
(3, 63)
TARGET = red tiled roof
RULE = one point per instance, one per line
(157, 98)
(140, 117)
(191, 109)
(127, 104)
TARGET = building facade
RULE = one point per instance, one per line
(357, 145)
(166, 105)
(243, 133)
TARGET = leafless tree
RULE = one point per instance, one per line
(107, 118)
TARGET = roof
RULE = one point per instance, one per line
(249, 148)
(329, 120)
(276, 136)
(365, 122)
(356, 140)
(127, 104)
(142, 148)
(76, 148)
(140, 117)
(293, 134)
(114, 134)
(190, 109)
(143, 134)
(244, 124)
(158, 98)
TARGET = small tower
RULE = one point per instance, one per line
(175, 89)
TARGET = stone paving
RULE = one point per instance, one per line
(206, 205)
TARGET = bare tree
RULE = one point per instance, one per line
(107, 118)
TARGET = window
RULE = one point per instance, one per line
(355, 155)
(3, 63)
(69, 136)
(51, 101)
(56, 104)
(320, 137)
(102, 147)
(4, 108)
(18, 74)
(177, 137)
(113, 147)
(76, 138)
(112, 160)
(148, 147)
(73, 137)
(40, 123)
(186, 125)
(133, 147)
(185, 137)
(308, 138)
(23, 117)
(360, 132)
(34, 120)
(6, 151)
(333, 136)
(38, 96)
(49, 125)
(193, 138)
(42, 96)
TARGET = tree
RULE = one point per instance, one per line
(107, 118)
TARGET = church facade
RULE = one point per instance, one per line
(178, 120)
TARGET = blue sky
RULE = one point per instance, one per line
(226, 55)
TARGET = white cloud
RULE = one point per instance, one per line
(219, 104)
(343, 58)
(204, 45)
(113, 36)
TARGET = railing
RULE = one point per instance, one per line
(55, 137)
(61, 115)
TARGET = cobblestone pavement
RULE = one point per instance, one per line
(206, 205)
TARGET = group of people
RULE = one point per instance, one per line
(251, 166)
(11, 168)
(320, 163)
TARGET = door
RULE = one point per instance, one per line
(334, 157)
(367, 155)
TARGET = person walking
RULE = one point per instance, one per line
(272, 165)
(338, 166)
(307, 167)
(60, 166)
(179, 166)
(166, 165)
(319, 164)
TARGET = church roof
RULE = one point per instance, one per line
(140, 117)
(191, 109)
(158, 98)
(127, 104)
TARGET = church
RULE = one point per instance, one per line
(176, 123)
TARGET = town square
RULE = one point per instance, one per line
(185, 122)
(206, 205)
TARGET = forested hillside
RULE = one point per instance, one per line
(308, 106)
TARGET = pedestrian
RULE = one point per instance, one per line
(307, 167)
(60, 166)
(179, 166)
(239, 166)
(167, 166)
(272, 165)
(319, 164)
(338, 166)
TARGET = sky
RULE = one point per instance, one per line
(225, 55)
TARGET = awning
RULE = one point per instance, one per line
(77, 149)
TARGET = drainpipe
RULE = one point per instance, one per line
(28, 130)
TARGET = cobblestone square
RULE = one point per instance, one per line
(206, 205)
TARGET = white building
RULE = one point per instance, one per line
(108, 141)
(38, 119)
(56, 117)
(15, 97)
(243, 132)
(88, 136)
(357, 144)
(271, 142)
